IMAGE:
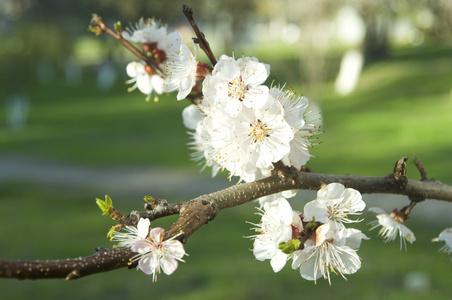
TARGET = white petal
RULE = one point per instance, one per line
(192, 117)
(354, 237)
(157, 83)
(148, 264)
(331, 191)
(143, 228)
(407, 233)
(353, 200)
(168, 265)
(185, 87)
(263, 249)
(445, 235)
(141, 246)
(256, 97)
(134, 68)
(156, 234)
(171, 43)
(322, 233)
(175, 248)
(315, 210)
(255, 73)
(376, 210)
(227, 68)
(350, 260)
(309, 270)
(278, 261)
(144, 84)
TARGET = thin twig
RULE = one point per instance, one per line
(420, 168)
(201, 39)
(147, 59)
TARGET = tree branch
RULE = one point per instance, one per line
(149, 60)
(102, 261)
(201, 39)
(201, 210)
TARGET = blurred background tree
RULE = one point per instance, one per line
(41, 36)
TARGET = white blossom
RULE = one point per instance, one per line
(236, 83)
(391, 227)
(154, 254)
(274, 228)
(334, 204)
(151, 32)
(446, 236)
(249, 143)
(328, 252)
(180, 70)
(133, 234)
(296, 114)
(144, 79)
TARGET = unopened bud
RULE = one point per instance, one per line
(118, 27)
(148, 47)
(202, 69)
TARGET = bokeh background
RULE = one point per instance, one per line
(380, 73)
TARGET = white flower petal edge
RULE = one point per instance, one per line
(446, 236)
(390, 228)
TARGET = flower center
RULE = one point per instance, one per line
(258, 131)
(237, 88)
(334, 213)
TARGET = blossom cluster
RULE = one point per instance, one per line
(154, 253)
(157, 43)
(240, 125)
(317, 241)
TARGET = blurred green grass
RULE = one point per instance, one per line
(92, 127)
(402, 106)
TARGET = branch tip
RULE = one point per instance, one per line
(187, 10)
(420, 167)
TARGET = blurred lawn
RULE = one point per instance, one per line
(402, 106)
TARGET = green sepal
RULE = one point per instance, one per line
(311, 225)
(289, 247)
(106, 206)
